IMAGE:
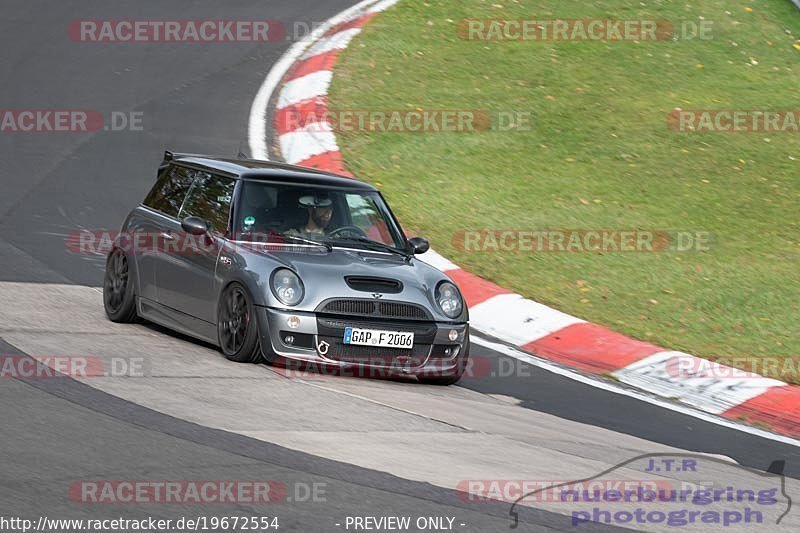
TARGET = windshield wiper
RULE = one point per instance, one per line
(375, 245)
(297, 238)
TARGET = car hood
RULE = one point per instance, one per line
(323, 275)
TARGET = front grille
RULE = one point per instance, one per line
(374, 308)
(400, 310)
(331, 330)
(423, 332)
(350, 307)
(368, 355)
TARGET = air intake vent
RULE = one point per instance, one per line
(400, 310)
(350, 307)
(369, 284)
(374, 308)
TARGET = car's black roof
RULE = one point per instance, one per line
(256, 169)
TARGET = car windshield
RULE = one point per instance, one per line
(299, 214)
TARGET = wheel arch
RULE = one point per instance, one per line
(253, 287)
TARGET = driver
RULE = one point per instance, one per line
(320, 213)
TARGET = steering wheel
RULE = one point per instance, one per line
(352, 230)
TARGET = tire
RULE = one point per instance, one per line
(453, 378)
(237, 326)
(119, 293)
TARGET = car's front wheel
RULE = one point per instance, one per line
(237, 327)
(119, 296)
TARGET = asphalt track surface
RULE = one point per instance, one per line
(196, 98)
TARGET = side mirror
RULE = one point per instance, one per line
(194, 225)
(419, 245)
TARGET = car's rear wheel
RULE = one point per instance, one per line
(457, 374)
(237, 327)
(119, 296)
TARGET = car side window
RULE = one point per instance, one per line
(170, 189)
(210, 199)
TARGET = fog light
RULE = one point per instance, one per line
(293, 322)
(451, 351)
(453, 335)
(289, 339)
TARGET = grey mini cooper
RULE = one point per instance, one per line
(285, 264)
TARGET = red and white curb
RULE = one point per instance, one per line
(297, 86)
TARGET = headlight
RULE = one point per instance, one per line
(449, 299)
(286, 286)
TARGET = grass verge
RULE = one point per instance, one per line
(600, 155)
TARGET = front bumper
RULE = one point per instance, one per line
(317, 338)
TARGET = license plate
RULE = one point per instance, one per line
(379, 338)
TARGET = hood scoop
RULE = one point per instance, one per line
(373, 284)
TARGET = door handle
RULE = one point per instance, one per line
(168, 235)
